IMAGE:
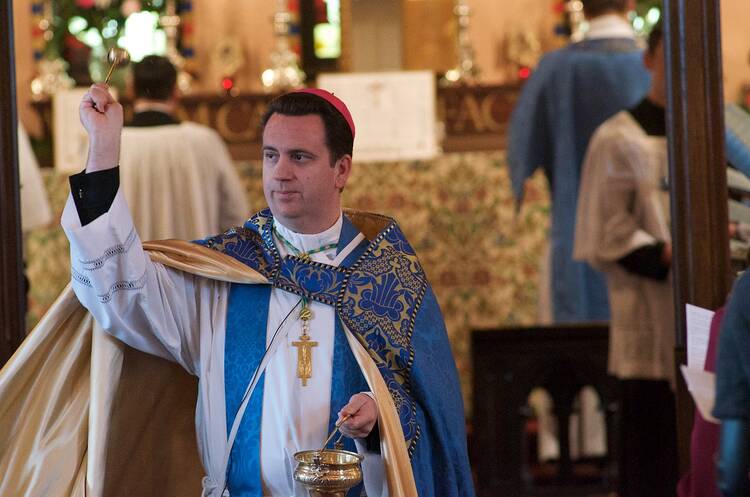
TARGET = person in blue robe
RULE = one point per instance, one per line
(732, 406)
(572, 91)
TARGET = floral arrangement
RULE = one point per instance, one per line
(106, 17)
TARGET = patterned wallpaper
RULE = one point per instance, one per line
(480, 254)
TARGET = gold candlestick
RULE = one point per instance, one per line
(170, 21)
(284, 72)
(466, 72)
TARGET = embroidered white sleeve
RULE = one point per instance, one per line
(148, 306)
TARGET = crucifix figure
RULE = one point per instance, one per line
(304, 346)
(304, 357)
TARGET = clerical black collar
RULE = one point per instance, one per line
(149, 118)
(651, 117)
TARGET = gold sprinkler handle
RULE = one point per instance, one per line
(335, 429)
(117, 57)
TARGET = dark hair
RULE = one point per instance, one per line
(593, 8)
(154, 78)
(339, 139)
(655, 37)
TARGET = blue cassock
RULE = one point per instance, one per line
(381, 293)
(572, 92)
(737, 139)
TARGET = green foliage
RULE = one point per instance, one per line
(643, 6)
(97, 16)
(643, 19)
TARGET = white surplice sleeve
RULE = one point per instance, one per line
(146, 305)
(609, 222)
(233, 208)
(155, 309)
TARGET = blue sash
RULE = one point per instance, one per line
(247, 316)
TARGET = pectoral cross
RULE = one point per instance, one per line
(304, 358)
(304, 347)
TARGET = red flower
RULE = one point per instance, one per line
(448, 278)
(85, 4)
(462, 206)
(366, 202)
(396, 201)
(73, 43)
(481, 278)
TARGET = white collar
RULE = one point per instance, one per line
(306, 242)
(609, 26)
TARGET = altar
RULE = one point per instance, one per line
(472, 118)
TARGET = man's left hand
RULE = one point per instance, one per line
(364, 415)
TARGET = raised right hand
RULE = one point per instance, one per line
(101, 115)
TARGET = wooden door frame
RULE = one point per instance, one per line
(698, 187)
(12, 296)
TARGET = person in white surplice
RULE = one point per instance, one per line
(168, 166)
(35, 209)
(623, 229)
(341, 323)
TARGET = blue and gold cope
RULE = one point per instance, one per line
(377, 297)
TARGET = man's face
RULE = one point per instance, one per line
(301, 187)
(655, 63)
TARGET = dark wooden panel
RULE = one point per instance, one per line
(476, 117)
(11, 276)
(695, 122)
(508, 364)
